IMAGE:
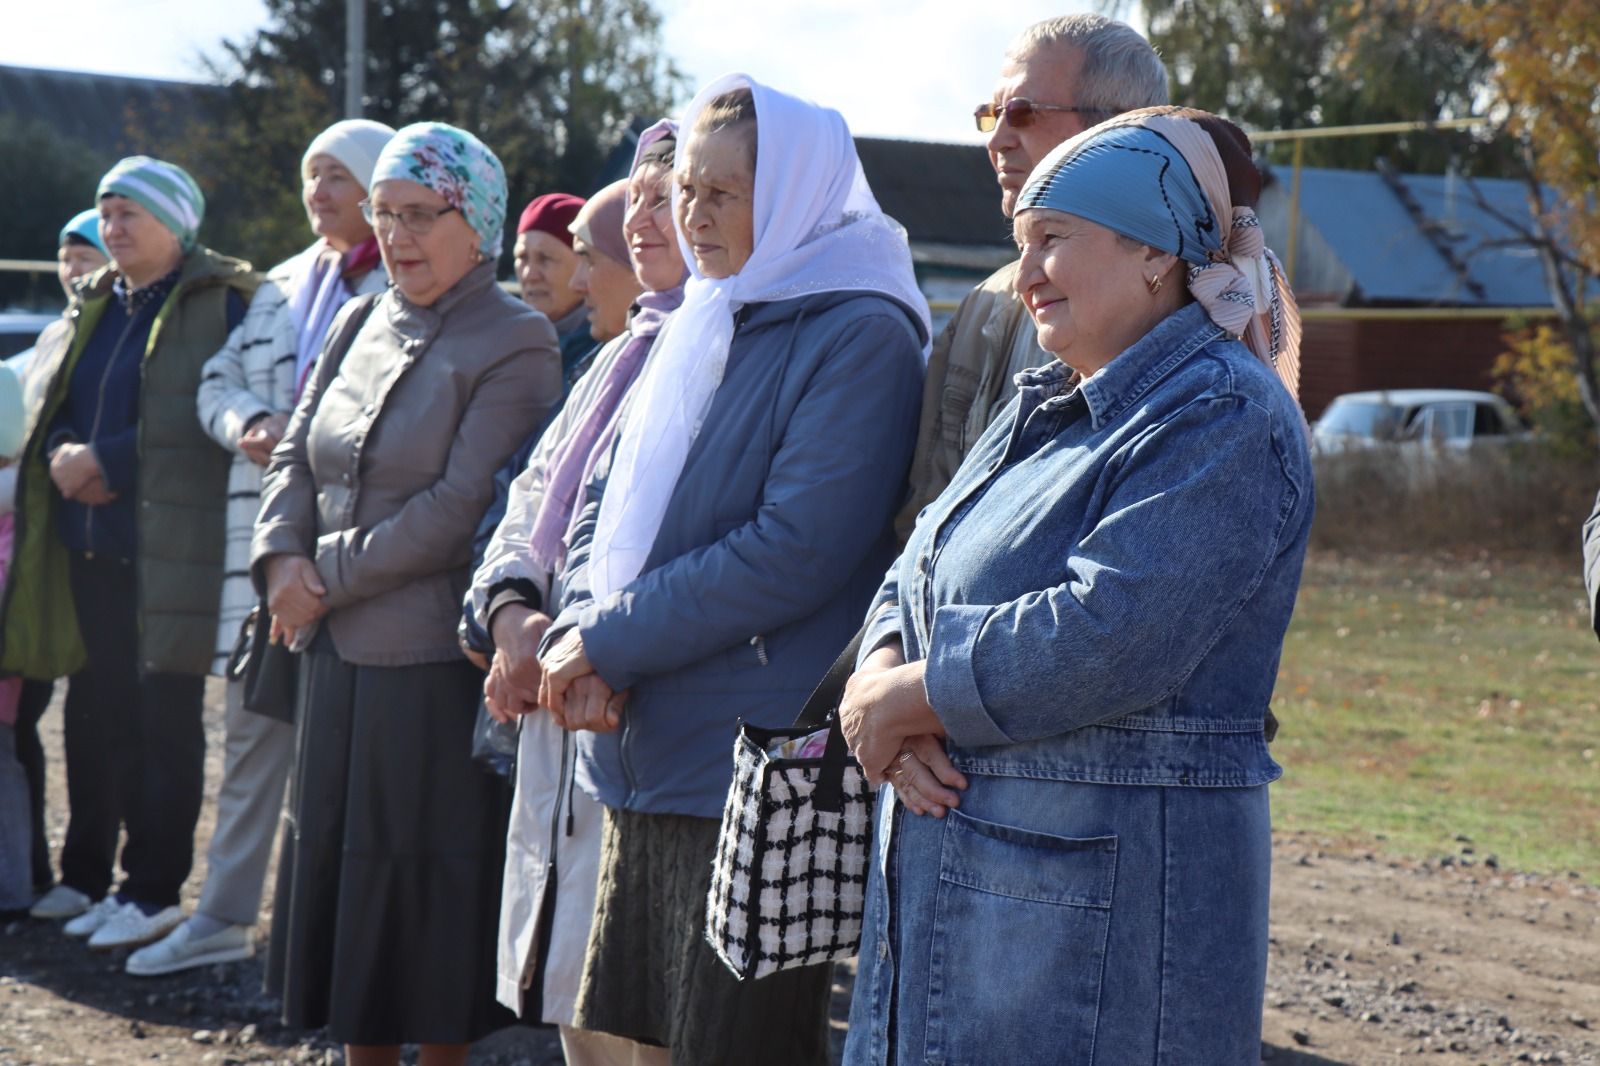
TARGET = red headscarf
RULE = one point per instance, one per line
(551, 213)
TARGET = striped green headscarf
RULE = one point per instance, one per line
(164, 189)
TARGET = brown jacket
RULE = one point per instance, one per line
(969, 381)
(389, 461)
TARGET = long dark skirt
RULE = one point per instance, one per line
(389, 881)
(649, 974)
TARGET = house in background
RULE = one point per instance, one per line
(1375, 245)
(108, 114)
(945, 195)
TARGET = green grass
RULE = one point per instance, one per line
(1422, 698)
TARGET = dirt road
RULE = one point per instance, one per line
(1374, 961)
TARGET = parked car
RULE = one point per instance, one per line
(19, 329)
(1454, 419)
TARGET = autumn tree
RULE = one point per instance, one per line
(1298, 63)
(1543, 90)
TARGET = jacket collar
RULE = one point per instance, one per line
(414, 319)
(200, 264)
(1139, 368)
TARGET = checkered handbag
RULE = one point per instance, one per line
(788, 884)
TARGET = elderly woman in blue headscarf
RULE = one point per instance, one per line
(79, 253)
(1067, 675)
(385, 917)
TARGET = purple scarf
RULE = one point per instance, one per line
(575, 457)
(317, 291)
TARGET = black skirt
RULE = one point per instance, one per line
(388, 893)
(650, 976)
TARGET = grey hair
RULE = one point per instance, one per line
(1120, 71)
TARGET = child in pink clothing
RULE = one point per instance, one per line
(16, 879)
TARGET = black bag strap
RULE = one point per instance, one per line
(822, 710)
(824, 700)
(340, 344)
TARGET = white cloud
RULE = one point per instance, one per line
(143, 38)
(894, 68)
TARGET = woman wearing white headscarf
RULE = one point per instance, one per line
(246, 393)
(741, 521)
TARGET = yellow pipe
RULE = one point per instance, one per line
(1293, 247)
(1423, 313)
(1264, 136)
(1396, 313)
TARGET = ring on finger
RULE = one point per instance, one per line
(905, 756)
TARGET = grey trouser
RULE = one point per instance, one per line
(258, 752)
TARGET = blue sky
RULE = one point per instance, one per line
(895, 68)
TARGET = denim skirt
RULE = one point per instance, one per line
(1067, 923)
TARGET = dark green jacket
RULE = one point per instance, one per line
(182, 489)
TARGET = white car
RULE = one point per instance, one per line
(19, 329)
(1443, 418)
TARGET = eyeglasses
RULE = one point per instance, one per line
(1020, 112)
(417, 220)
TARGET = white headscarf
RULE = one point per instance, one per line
(817, 228)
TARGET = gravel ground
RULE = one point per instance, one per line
(1374, 961)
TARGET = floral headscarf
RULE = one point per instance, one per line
(457, 166)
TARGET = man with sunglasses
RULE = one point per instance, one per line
(1059, 77)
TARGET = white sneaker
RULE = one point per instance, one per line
(182, 950)
(92, 919)
(62, 901)
(129, 927)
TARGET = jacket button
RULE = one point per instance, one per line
(883, 948)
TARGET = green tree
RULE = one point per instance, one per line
(550, 85)
(1297, 63)
(54, 178)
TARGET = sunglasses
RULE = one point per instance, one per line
(1020, 112)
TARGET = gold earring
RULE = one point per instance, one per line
(1154, 284)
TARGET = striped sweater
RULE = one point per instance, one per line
(253, 374)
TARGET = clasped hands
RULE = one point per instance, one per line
(294, 595)
(895, 735)
(563, 681)
(77, 475)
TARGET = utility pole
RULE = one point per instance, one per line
(355, 57)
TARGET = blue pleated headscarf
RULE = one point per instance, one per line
(1133, 181)
(1157, 176)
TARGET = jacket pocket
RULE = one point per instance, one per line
(1018, 945)
(955, 404)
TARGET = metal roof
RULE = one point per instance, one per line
(943, 194)
(98, 109)
(1423, 238)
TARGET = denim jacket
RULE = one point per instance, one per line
(1101, 593)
